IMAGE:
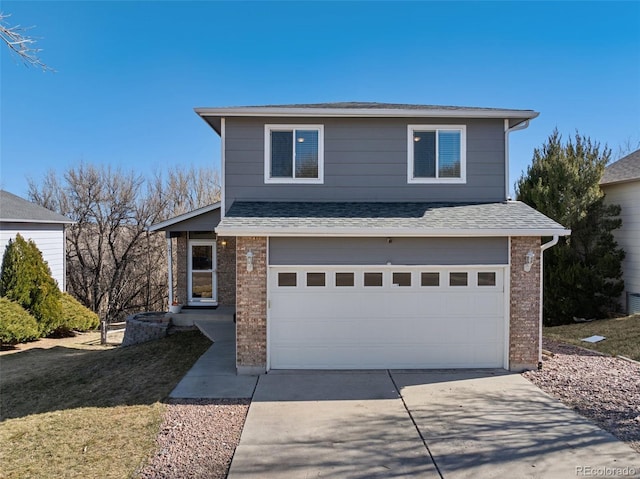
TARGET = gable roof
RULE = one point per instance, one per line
(511, 218)
(18, 210)
(624, 170)
(184, 217)
(214, 115)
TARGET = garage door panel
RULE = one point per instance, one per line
(366, 329)
(487, 302)
(387, 357)
(360, 330)
(337, 327)
(485, 330)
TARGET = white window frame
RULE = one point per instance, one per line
(191, 301)
(411, 129)
(267, 154)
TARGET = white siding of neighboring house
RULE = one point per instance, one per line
(50, 241)
(627, 195)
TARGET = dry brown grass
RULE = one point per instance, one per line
(623, 335)
(81, 413)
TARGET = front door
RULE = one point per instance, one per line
(202, 273)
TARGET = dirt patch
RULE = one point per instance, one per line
(197, 439)
(88, 340)
(602, 388)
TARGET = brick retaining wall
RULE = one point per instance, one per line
(140, 330)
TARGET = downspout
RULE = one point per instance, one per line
(520, 126)
(543, 248)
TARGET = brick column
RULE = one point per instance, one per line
(226, 256)
(181, 268)
(251, 306)
(524, 305)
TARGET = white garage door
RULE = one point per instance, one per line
(386, 317)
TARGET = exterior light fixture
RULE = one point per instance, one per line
(529, 261)
(223, 243)
(249, 261)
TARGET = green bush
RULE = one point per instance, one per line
(16, 324)
(26, 279)
(75, 316)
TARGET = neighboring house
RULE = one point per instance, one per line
(370, 235)
(621, 184)
(33, 222)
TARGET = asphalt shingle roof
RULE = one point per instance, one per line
(364, 105)
(16, 209)
(403, 218)
(625, 169)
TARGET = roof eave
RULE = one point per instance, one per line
(363, 112)
(184, 217)
(618, 182)
(390, 232)
(51, 222)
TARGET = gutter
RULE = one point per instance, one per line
(280, 111)
(543, 248)
(329, 231)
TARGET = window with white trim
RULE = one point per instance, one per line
(294, 154)
(437, 154)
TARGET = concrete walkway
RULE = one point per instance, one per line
(214, 374)
(401, 424)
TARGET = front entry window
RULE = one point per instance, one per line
(202, 272)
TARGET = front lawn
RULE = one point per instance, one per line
(81, 413)
(623, 335)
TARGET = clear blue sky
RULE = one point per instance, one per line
(128, 74)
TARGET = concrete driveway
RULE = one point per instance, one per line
(436, 424)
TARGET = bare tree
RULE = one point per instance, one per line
(115, 266)
(187, 189)
(21, 44)
(628, 146)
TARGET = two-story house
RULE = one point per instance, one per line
(368, 236)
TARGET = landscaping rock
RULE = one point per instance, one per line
(197, 439)
(599, 387)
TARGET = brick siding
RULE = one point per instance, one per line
(251, 306)
(524, 305)
(181, 268)
(226, 257)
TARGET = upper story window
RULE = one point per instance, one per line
(437, 154)
(294, 154)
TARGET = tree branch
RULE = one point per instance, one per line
(22, 45)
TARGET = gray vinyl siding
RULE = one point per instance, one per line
(379, 251)
(204, 222)
(365, 160)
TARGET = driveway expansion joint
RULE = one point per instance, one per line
(415, 425)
